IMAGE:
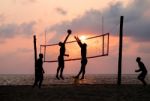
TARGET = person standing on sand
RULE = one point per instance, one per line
(61, 57)
(39, 72)
(141, 69)
(84, 61)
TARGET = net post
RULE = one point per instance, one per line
(108, 44)
(45, 46)
(35, 53)
(44, 52)
(120, 51)
(103, 44)
(40, 48)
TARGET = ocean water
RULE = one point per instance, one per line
(24, 79)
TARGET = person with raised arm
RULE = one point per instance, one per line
(61, 57)
(84, 61)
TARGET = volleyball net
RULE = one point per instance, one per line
(97, 46)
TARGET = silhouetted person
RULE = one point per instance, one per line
(84, 61)
(39, 72)
(61, 57)
(141, 69)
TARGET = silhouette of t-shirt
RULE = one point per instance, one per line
(83, 51)
(62, 50)
(142, 67)
(40, 66)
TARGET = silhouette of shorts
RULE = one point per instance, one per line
(142, 75)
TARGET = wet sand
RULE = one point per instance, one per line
(70, 92)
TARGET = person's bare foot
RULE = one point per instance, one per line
(82, 78)
(62, 77)
(57, 77)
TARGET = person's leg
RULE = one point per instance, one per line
(41, 80)
(83, 72)
(144, 82)
(58, 69)
(79, 72)
(141, 77)
(36, 80)
(61, 71)
(83, 68)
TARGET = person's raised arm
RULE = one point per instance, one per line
(78, 41)
(69, 32)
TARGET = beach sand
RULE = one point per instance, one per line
(70, 92)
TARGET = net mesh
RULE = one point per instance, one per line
(97, 46)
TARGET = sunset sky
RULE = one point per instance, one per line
(21, 19)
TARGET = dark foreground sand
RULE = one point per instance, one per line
(76, 93)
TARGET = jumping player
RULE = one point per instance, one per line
(61, 57)
(84, 61)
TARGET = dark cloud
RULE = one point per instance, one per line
(88, 22)
(61, 11)
(11, 30)
(135, 24)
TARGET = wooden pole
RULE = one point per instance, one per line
(45, 46)
(35, 53)
(120, 51)
(108, 44)
(102, 25)
(103, 44)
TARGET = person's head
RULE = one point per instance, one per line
(138, 59)
(60, 43)
(41, 55)
(84, 44)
